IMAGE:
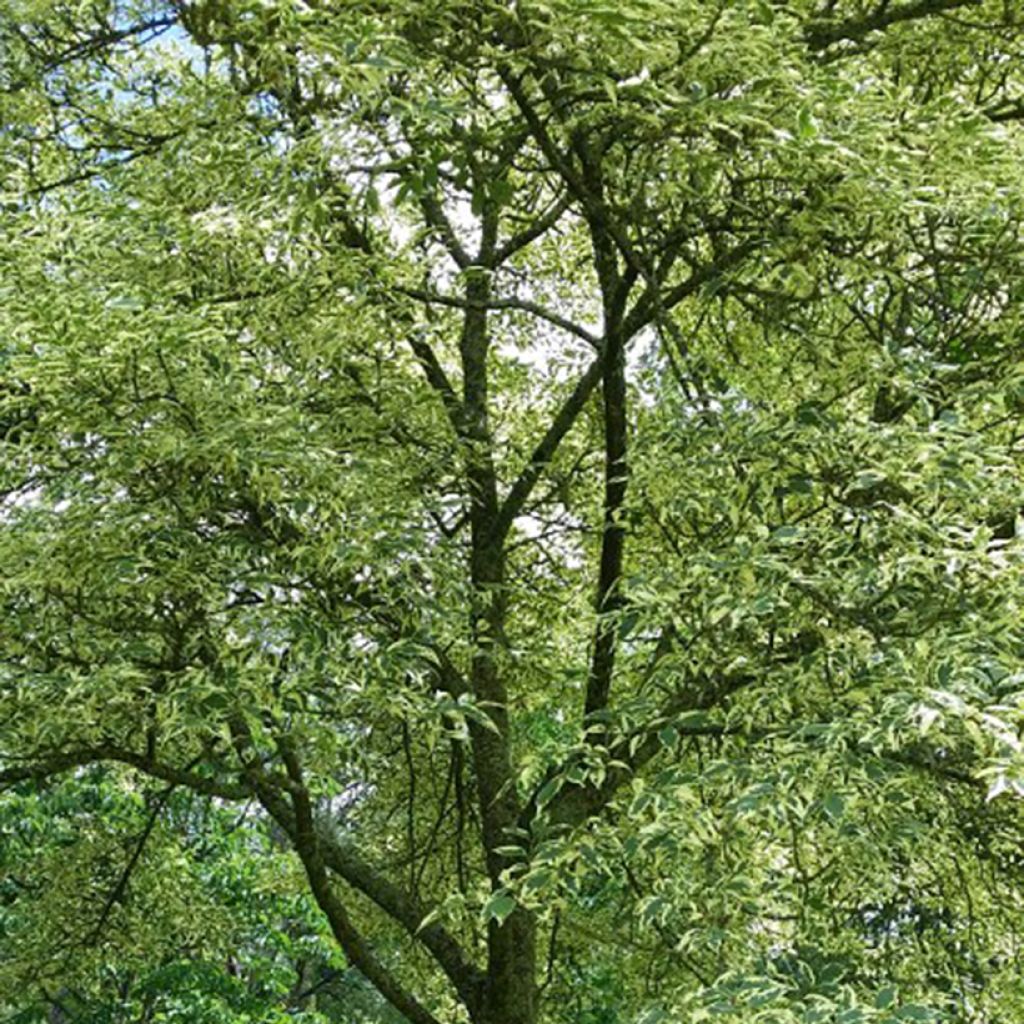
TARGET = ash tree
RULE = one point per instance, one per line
(546, 474)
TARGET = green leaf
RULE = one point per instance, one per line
(499, 906)
(549, 791)
(885, 998)
(834, 806)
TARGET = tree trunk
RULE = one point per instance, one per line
(509, 993)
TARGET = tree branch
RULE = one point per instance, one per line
(353, 944)
(522, 305)
(546, 448)
(532, 232)
(345, 862)
(652, 303)
(613, 539)
(593, 208)
(438, 380)
(822, 32)
(434, 215)
(54, 764)
(90, 45)
(121, 886)
(1008, 110)
(576, 802)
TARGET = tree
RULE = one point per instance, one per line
(213, 924)
(557, 462)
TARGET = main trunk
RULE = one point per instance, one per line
(509, 994)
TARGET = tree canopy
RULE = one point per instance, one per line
(510, 511)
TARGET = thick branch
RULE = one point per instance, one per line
(823, 32)
(354, 945)
(344, 861)
(613, 539)
(511, 959)
(39, 770)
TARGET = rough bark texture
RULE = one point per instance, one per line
(614, 538)
(509, 991)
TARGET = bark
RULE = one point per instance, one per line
(613, 541)
(822, 33)
(355, 946)
(509, 990)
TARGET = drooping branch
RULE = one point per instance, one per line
(345, 861)
(356, 948)
(107, 37)
(120, 889)
(91, 172)
(44, 767)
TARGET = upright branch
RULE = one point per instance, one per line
(613, 395)
(546, 447)
(487, 557)
(613, 537)
(609, 243)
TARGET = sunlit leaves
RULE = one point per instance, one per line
(235, 512)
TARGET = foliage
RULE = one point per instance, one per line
(510, 511)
